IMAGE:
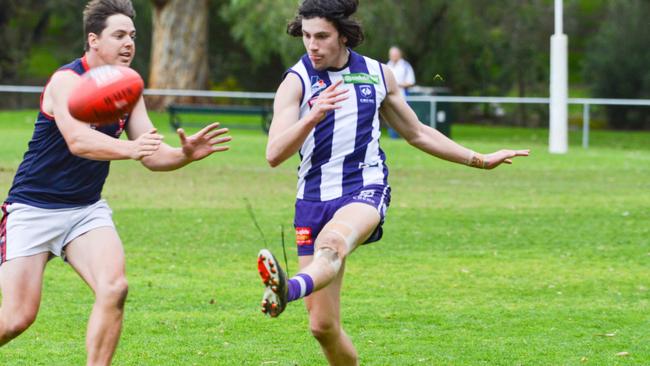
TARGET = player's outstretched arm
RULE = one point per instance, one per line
(401, 117)
(82, 140)
(287, 132)
(204, 143)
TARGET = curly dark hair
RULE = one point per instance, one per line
(338, 12)
(97, 11)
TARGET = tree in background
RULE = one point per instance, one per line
(179, 54)
(485, 48)
(618, 60)
(232, 67)
(478, 47)
(260, 25)
(38, 37)
(22, 24)
(525, 26)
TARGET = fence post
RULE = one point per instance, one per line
(585, 126)
(432, 113)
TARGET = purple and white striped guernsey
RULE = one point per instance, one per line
(342, 154)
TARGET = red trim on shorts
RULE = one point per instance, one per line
(3, 234)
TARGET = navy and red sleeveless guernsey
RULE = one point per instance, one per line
(49, 175)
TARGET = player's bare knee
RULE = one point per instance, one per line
(113, 292)
(332, 242)
(324, 329)
(329, 253)
(331, 256)
(339, 235)
(18, 323)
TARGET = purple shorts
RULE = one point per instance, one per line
(311, 216)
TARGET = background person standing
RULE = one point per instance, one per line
(404, 75)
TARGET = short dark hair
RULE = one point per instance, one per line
(338, 12)
(97, 11)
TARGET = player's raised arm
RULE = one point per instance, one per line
(401, 117)
(81, 139)
(207, 141)
(287, 132)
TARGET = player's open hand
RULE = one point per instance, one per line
(503, 156)
(205, 142)
(327, 101)
(146, 144)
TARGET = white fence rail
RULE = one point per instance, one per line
(585, 102)
(433, 100)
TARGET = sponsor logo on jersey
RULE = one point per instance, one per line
(367, 94)
(317, 84)
(360, 78)
(365, 195)
(363, 165)
(303, 236)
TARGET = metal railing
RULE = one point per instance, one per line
(585, 102)
(433, 100)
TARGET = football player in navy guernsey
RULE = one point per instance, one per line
(54, 207)
(327, 109)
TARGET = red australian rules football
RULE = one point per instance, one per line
(105, 94)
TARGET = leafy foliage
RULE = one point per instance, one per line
(617, 66)
(39, 36)
(477, 47)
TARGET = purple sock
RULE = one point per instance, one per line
(300, 285)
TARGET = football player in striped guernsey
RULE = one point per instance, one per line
(327, 109)
(55, 206)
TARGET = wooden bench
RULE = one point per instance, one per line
(175, 110)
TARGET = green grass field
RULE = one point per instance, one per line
(541, 263)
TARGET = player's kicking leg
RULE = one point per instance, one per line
(351, 225)
(98, 257)
(21, 281)
(275, 279)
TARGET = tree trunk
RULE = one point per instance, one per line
(179, 54)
